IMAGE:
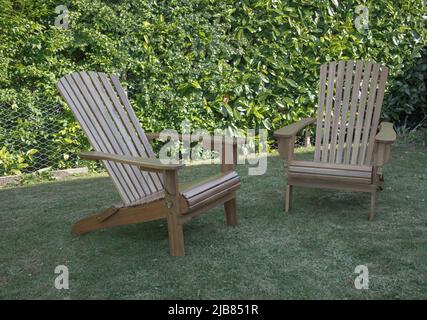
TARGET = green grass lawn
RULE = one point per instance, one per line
(309, 253)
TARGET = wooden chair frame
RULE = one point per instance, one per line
(150, 190)
(171, 207)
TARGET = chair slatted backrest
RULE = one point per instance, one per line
(349, 105)
(100, 105)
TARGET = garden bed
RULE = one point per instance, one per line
(14, 180)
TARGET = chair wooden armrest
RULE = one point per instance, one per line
(386, 134)
(286, 137)
(153, 165)
(383, 140)
(291, 130)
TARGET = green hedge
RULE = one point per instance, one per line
(220, 64)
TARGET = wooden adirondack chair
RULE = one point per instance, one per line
(149, 189)
(350, 151)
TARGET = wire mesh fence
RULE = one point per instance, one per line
(37, 136)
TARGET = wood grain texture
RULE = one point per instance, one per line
(353, 110)
(344, 111)
(366, 132)
(328, 111)
(336, 111)
(361, 113)
(377, 111)
(320, 111)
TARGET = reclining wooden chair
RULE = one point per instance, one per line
(349, 150)
(149, 189)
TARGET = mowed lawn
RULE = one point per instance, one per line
(309, 253)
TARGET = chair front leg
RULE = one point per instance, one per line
(381, 154)
(172, 199)
(286, 150)
(377, 177)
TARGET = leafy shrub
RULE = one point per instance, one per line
(218, 63)
(14, 163)
(407, 101)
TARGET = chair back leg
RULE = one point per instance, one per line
(288, 197)
(230, 208)
(176, 236)
(373, 205)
